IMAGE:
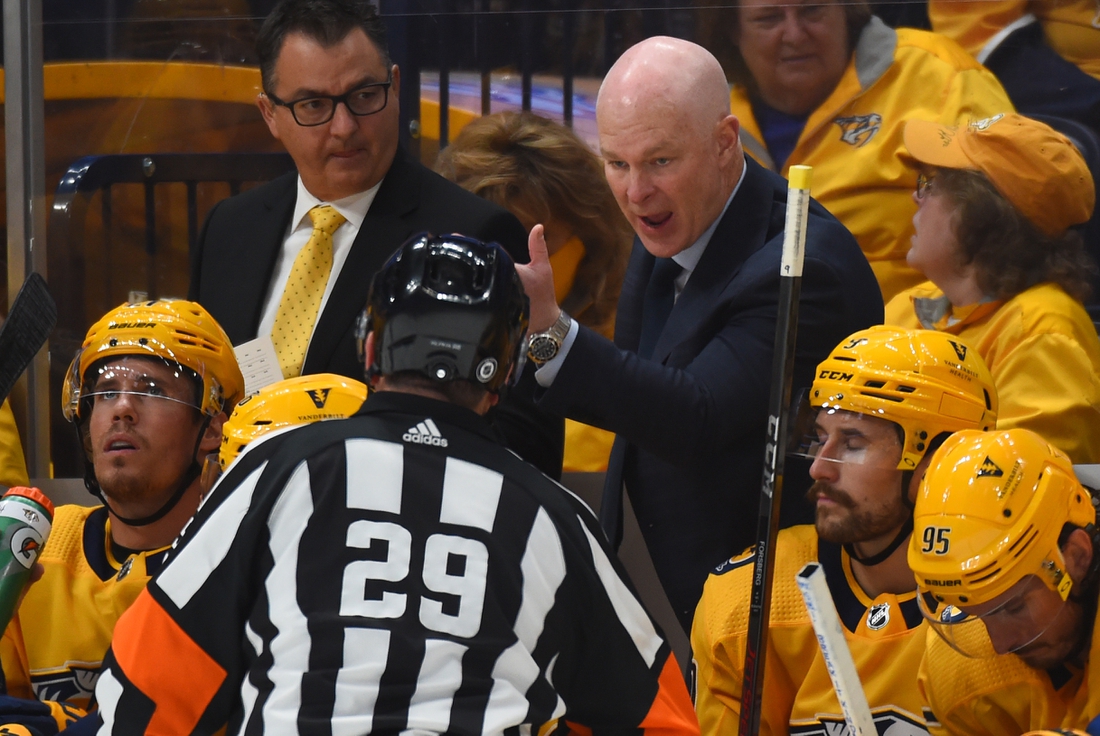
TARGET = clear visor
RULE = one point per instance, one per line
(842, 436)
(149, 383)
(1010, 623)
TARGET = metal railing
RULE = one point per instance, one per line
(68, 244)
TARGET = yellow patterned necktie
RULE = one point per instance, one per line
(304, 290)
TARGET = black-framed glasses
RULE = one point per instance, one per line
(319, 109)
(924, 185)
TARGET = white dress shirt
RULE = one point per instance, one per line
(687, 259)
(353, 208)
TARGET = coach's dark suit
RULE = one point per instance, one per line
(691, 420)
(234, 259)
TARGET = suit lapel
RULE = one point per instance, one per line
(383, 230)
(242, 316)
(628, 322)
(741, 232)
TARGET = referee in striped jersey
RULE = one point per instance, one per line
(399, 571)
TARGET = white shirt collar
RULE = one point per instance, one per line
(353, 208)
(689, 258)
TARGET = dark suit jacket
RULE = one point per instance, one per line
(691, 421)
(234, 259)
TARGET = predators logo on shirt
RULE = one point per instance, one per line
(74, 683)
(858, 130)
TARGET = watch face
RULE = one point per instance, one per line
(543, 347)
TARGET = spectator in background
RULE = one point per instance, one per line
(1046, 53)
(543, 173)
(1007, 273)
(830, 86)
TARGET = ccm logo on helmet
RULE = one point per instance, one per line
(836, 375)
(944, 583)
(131, 325)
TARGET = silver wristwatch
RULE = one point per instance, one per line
(543, 346)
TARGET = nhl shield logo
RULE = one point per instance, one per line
(858, 130)
(878, 616)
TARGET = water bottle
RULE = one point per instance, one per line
(26, 516)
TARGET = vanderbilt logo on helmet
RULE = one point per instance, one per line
(960, 350)
(319, 396)
(858, 130)
(989, 469)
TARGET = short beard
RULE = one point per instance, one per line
(855, 526)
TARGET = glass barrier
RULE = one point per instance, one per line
(150, 78)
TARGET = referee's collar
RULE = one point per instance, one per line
(399, 402)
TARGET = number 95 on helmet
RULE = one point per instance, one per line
(991, 518)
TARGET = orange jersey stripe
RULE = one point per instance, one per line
(181, 678)
(672, 711)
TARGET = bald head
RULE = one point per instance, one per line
(667, 72)
(669, 143)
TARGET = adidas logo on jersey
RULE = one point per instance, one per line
(425, 433)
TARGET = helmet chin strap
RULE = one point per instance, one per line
(186, 479)
(871, 561)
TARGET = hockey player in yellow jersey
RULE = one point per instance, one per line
(879, 405)
(1005, 552)
(148, 393)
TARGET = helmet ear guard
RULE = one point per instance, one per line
(449, 308)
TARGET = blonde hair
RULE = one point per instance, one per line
(542, 171)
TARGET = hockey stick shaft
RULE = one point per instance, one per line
(835, 651)
(771, 487)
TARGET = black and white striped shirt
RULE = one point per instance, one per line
(396, 572)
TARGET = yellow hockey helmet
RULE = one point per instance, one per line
(174, 330)
(301, 400)
(990, 511)
(924, 381)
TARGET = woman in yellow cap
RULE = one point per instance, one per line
(998, 200)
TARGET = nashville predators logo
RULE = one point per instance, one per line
(319, 396)
(960, 350)
(984, 123)
(989, 469)
(858, 130)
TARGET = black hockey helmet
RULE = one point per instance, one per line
(448, 307)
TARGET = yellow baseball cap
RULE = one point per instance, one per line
(1033, 166)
